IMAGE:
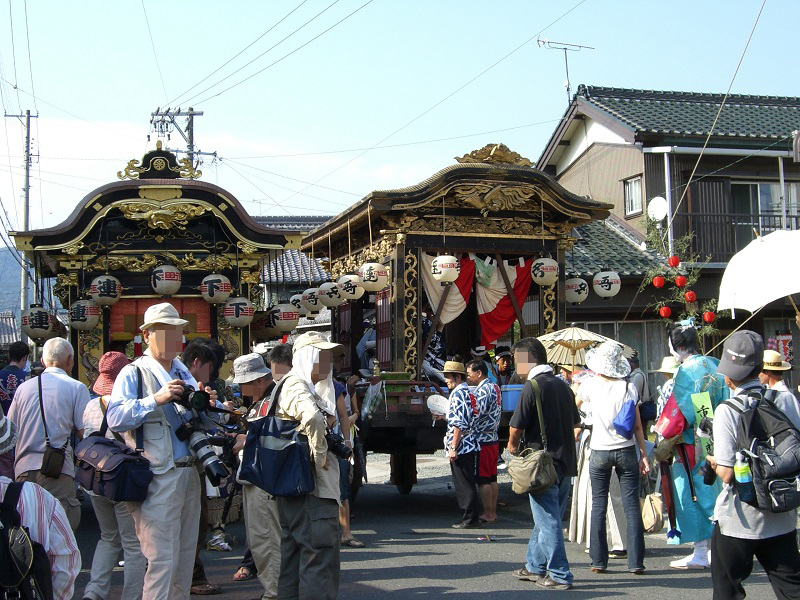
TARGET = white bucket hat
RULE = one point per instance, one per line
(162, 313)
(607, 359)
(249, 367)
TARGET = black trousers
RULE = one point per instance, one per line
(732, 563)
(465, 471)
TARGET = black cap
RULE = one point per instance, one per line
(742, 353)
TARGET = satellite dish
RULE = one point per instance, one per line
(657, 208)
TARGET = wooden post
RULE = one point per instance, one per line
(510, 290)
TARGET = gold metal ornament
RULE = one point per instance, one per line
(158, 217)
(410, 314)
(498, 154)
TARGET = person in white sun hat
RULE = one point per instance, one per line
(772, 373)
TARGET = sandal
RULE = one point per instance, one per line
(243, 574)
(353, 543)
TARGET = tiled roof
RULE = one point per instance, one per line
(291, 269)
(690, 113)
(9, 328)
(623, 251)
(292, 223)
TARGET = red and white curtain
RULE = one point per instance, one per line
(495, 309)
(458, 298)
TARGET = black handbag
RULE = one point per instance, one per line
(109, 468)
(53, 459)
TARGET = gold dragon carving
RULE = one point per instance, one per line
(495, 154)
(149, 261)
(549, 319)
(410, 314)
(157, 217)
(375, 252)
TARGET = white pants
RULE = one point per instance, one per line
(263, 536)
(117, 532)
(166, 524)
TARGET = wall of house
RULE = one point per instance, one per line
(600, 173)
(584, 136)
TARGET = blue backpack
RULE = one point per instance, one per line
(625, 421)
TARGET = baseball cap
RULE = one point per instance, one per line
(316, 340)
(249, 367)
(742, 352)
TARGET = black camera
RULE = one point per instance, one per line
(192, 399)
(200, 446)
(337, 445)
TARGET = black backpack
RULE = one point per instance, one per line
(26, 567)
(771, 442)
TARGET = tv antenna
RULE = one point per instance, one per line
(550, 45)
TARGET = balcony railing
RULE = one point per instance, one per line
(721, 235)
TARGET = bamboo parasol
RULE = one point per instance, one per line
(569, 345)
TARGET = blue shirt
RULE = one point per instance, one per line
(487, 395)
(462, 414)
(10, 378)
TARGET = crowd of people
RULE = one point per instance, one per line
(294, 542)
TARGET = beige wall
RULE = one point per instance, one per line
(600, 172)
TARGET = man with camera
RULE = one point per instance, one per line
(149, 406)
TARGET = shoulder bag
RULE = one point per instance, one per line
(53, 459)
(653, 509)
(533, 471)
(109, 468)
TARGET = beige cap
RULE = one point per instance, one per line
(316, 340)
(163, 313)
(452, 366)
(669, 364)
(773, 361)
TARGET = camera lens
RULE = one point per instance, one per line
(200, 447)
(195, 399)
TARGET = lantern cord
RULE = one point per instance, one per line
(444, 229)
(605, 260)
(349, 246)
(330, 257)
(541, 207)
(238, 270)
(369, 222)
(282, 280)
(214, 239)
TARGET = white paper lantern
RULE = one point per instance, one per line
(215, 288)
(165, 280)
(576, 290)
(350, 287)
(544, 271)
(37, 323)
(374, 276)
(84, 315)
(105, 290)
(310, 301)
(239, 311)
(445, 269)
(58, 330)
(606, 284)
(262, 327)
(297, 302)
(329, 294)
(285, 317)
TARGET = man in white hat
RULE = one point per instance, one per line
(44, 518)
(772, 373)
(143, 407)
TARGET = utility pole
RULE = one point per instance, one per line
(566, 48)
(25, 209)
(163, 123)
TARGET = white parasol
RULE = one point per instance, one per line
(568, 346)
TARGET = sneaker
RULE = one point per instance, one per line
(618, 554)
(552, 584)
(524, 575)
(218, 543)
(693, 561)
(466, 525)
(638, 571)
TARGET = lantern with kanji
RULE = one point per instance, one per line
(445, 269)
(329, 294)
(285, 317)
(238, 311)
(576, 290)
(350, 287)
(105, 290)
(374, 276)
(166, 280)
(37, 323)
(297, 302)
(262, 327)
(310, 301)
(84, 315)
(215, 288)
(544, 271)
(606, 284)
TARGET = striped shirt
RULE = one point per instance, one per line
(487, 422)
(47, 524)
(462, 413)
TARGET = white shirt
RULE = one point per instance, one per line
(64, 400)
(47, 524)
(606, 398)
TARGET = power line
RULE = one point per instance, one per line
(30, 62)
(258, 188)
(291, 178)
(13, 51)
(40, 99)
(155, 54)
(340, 21)
(237, 55)
(451, 94)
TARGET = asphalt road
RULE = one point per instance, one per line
(413, 553)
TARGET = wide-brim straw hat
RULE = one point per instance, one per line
(111, 363)
(315, 340)
(163, 313)
(773, 361)
(453, 366)
(607, 359)
(8, 434)
(669, 364)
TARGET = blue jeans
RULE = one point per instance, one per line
(546, 552)
(624, 462)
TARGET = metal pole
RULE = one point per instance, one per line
(668, 195)
(783, 192)
(26, 214)
(190, 133)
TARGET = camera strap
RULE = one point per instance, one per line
(273, 399)
(44, 420)
(139, 394)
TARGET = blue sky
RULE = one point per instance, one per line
(394, 73)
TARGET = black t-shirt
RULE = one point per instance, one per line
(560, 417)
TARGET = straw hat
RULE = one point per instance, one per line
(607, 359)
(773, 361)
(163, 313)
(452, 366)
(315, 340)
(669, 364)
(111, 363)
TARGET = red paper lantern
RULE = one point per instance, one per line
(665, 311)
(680, 281)
(709, 316)
(673, 261)
(690, 296)
(659, 281)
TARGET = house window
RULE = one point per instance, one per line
(633, 196)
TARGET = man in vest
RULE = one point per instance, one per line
(166, 522)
